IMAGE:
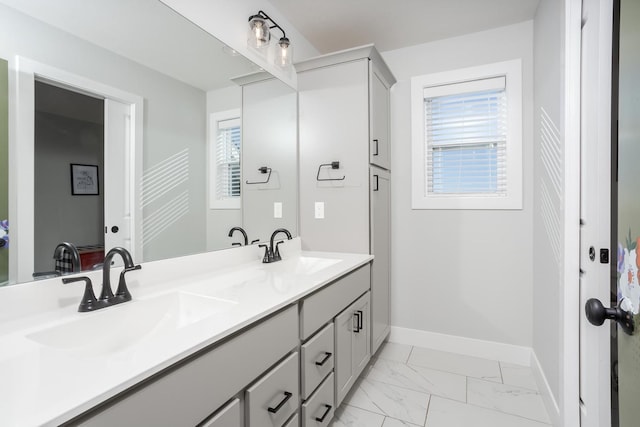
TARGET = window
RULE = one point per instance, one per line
(467, 137)
(224, 160)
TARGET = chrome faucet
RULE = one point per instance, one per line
(75, 255)
(244, 234)
(271, 253)
(107, 298)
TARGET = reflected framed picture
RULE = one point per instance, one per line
(84, 180)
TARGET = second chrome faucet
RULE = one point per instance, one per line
(107, 298)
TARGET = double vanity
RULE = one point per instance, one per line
(217, 339)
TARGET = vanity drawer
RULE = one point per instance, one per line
(322, 306)
(273, 399)
(293, 422)
(317, 359)
(318, 410)
(229, 416)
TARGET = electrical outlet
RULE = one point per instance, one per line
(277, 209)
(319, 210)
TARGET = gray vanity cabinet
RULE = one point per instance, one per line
(380, 147)
(353, 349)
(380, 246)
(344, 117)
(188, 393)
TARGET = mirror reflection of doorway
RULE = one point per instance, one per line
(69, 129)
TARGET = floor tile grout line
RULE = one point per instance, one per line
(426, 414)
(409, 355)
(508, 385)
(500, 412)
(452, 373)
(501, 375)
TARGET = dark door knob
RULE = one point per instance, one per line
(115, 229)
(597, 314)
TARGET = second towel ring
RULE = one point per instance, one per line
(333, 165)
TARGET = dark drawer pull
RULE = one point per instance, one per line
(326, 357)
(356, 318)
(287, 396)
(360, 316)
(375, 141)
(326, 412)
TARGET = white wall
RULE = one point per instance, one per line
(465, 273)
(547, 274)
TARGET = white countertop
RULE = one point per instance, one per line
(44, 385)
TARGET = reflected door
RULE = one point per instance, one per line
(625, 352)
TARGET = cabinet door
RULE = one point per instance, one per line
(380, 247)
(229, 416)
(379, 149)
(361, 335)
(344, 325)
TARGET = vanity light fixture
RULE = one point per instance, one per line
(259, 36)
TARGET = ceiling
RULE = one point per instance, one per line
(332, 25)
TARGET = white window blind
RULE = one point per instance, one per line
(227, 155)
(466, 138)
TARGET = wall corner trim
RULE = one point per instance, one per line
(510, 353)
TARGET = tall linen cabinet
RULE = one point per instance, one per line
(345, 177)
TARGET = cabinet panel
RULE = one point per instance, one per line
(272, 400)
(229, 416)
(379, 150)
(319, 409)
(317, 359)
(211, 379)
(321, 307)
(334, 126)
(380, 247)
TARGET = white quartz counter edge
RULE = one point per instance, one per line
(41, 386)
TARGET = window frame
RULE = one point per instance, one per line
(214, 119)
(512, 71)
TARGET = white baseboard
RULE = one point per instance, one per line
(469, 346)
(545, 391)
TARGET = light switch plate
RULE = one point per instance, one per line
(277, 209)
(319, 211)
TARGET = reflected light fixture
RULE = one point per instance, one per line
(259, 36)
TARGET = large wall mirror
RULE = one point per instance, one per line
(128, 125)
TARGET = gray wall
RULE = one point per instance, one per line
(548, 270)
(461, 272)
(60, 216)
(174, 119)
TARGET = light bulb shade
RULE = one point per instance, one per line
(284, 53)
(259, 34)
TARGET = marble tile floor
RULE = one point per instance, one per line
(406, 386)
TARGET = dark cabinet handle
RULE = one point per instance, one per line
(360, 316)
(358, 320)
(377, 184)
(326, 357)
(375, 142)
(287, 396)
(326, 412)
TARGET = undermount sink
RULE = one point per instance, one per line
(302, 265)
(114, 329)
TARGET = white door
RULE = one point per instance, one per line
(610, 355)
(117, 167)
(595, 208)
